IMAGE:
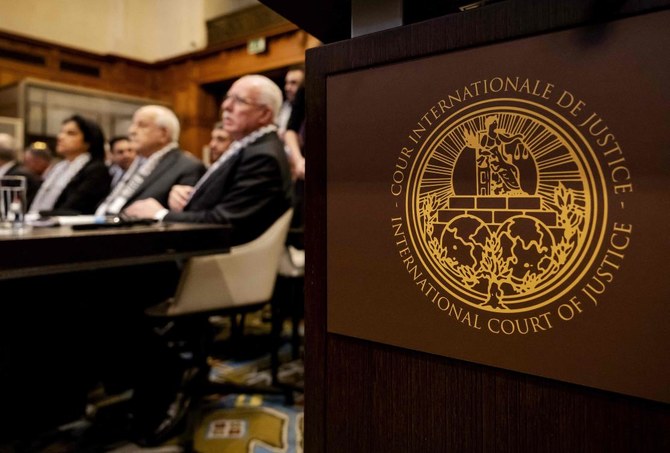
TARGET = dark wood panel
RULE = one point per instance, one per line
(328, 20)
(387, 399)
(362, 396)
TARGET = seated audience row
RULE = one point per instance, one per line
(248, 188)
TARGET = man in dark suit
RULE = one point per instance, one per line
(250, 186)
(10, 167)
(153, 133)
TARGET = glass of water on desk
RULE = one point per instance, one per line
(12, 203)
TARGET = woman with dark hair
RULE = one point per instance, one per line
(78, 183)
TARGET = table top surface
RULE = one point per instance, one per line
(40, 251)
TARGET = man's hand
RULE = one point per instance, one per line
(144, 209)
(298, 168)
(179, 195)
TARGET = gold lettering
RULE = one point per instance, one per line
(455, 311)
(593, 299)
(621, 228)
(406, 152)
(521, 326)
(456, 98)
(507, 327)
(623, 188)
(619, 169)
(605, 140)
(397, 226)
(565, 100)
(519, 329)
(466, 93)
(466, 320)
(565, 312)
(499, 82)
(616, 149)
(490, 325)
(607, 276)
(545, 316)
(578, 106)
(475, 85)
(430, 288)
(420, 128)
(537, 84)
(515, 83)
(593, 115)
(415, 271)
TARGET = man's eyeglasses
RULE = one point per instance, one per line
(240, 100)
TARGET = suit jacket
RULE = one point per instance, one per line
(86, 189)
(33, 182)
(176, 167)
(249, 191)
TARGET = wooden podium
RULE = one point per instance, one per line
(403, 353)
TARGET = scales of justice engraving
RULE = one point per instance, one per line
(502, 207)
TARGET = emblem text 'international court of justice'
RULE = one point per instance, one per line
(510, 200)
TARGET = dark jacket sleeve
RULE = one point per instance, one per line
(87, 189)
(256, 197)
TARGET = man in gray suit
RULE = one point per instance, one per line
(153, 133)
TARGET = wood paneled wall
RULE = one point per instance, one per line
(178, 81)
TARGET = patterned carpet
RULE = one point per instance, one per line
(253, 424)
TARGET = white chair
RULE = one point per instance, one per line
(229, 284)
(243, 277)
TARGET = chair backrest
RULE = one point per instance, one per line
(244, 276)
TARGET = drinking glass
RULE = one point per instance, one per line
(12, 202)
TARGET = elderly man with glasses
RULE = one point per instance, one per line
(250, 186)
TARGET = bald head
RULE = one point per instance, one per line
(153, 128)
(251, 103)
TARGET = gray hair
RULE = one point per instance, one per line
(7, 147)
(164, 117)
(269, 94)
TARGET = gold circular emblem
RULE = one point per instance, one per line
(506, 205)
